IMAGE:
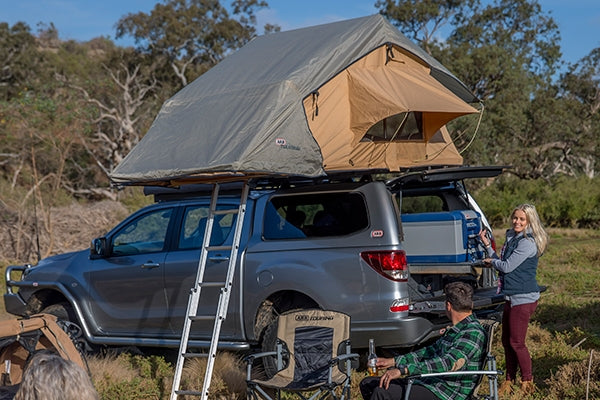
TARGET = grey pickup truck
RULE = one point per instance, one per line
(378, 250)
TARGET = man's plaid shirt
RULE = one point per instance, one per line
(460, 348)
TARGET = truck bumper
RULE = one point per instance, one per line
(403, 332)
(14, 304)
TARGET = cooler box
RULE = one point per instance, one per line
(442, 237)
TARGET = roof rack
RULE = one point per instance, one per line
(162, 193)
(392, 179)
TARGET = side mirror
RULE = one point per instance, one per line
(99, 249)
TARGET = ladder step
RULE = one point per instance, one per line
(226, 211)
(195, 355)
(217, 248)
(211, 284)
(188, 392)
(202, 317)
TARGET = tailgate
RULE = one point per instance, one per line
(483, 300)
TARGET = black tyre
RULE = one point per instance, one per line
(67, 320)
(269, 343)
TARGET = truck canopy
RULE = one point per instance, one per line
(349, 95)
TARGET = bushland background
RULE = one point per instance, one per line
(70, 111)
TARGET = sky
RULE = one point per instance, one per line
(578, 20)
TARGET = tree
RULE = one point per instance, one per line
(191, 35)
(119, 107)
(580, 90)
(423, 20)
(17, 58)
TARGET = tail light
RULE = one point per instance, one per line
(400, 305)
(391, 264)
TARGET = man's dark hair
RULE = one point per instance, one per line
(460, 295)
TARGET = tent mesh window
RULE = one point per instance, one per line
(398, 127)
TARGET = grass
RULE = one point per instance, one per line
(563, 338)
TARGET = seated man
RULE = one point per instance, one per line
(459, 348)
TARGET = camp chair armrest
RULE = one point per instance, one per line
(343, 357)
(250, 358)
(452, 373)
(491, 374)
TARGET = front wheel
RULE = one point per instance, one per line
(67, 320)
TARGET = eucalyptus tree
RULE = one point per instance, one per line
(580, 89)
(18, 55)
(118, 99)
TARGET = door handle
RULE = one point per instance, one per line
(150, 265)
(218, 258)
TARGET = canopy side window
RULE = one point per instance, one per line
(315, 215)
(405, 126)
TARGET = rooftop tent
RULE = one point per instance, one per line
(305, 102)
(386, 82)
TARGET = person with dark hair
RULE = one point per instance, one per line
(48, 376)
(517, 265)
(459, 348)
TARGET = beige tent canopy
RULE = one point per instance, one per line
(350, 95)
(386, 82)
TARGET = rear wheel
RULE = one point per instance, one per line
(67, 320)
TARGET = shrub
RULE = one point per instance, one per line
(131, 377)
(576, 380)
(563, 201)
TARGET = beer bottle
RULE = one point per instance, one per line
(372, 359)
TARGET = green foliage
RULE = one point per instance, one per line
(19, 59)
(562, 201)
(133, 198)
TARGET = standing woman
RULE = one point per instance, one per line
(517, 266)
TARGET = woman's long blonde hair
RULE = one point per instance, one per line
(540, 236)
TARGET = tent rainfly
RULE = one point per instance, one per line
(349, 95)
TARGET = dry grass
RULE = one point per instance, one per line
(228, 379)
(63, 229)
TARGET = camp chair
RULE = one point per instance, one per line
(313, 354)
(23, 336)
(488, 368)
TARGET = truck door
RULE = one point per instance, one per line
(182, 270)
(126, 288)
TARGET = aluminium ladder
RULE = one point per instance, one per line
(225, 292)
